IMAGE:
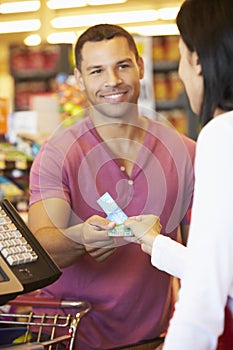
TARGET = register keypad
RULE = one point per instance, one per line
(13, 246)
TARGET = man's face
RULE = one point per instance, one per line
(110, 75)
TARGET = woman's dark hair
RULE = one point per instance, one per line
(102, 32)
(206, 26)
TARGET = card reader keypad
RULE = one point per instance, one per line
(13, 246)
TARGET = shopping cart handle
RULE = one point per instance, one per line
(48, 302)
(36, 301)
(25, 346)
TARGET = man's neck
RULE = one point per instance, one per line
(124, 140)
(129, 127)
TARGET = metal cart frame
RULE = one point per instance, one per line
(68, 322)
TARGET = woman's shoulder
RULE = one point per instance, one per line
(220, 127)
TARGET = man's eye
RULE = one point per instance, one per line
(96, 71)
(123, 66)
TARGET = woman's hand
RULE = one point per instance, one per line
(145, 228)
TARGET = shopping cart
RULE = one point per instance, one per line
(23, 324)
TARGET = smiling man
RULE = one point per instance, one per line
(111, 78)
(145, 166)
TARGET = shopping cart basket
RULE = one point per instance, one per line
(45, 324)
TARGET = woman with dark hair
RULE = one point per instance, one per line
(205, 303)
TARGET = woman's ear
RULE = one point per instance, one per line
(79, 79)
(196, 63)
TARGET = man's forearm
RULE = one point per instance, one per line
(62, 249)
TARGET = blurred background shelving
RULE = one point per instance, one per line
(34, 70)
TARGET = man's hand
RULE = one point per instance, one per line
(95, 237)
(145, 229)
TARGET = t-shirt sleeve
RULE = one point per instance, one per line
(47, 179)
(189, 177)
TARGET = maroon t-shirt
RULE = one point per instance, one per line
(131, 300)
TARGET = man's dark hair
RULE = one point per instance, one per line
(102, 32)
(206, 26)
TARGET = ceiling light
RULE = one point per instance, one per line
(62, 38)
(113, 17)
(154, 30)
(19, 6)
(19, 26)
(169, 13)
(146, 30)
(105, 2)
(61, 4)
(32, 40)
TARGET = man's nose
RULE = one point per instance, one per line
(112, 78)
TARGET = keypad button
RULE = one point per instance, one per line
(3, 245)
(12, 260)
(34, 256)
(6, 252)
(13, 245)
(17, 233)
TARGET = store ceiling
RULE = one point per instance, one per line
(45, 15)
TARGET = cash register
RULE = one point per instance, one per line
(25, 265)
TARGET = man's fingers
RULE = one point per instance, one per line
(100, 223)
(100, 254)
(109, 243)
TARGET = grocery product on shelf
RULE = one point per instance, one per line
(71, 100)
(9, 189)
(14, 175)
(168, 88)
(3, 115)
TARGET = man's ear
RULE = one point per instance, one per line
(141, 67)
(196, 63)
(79, 79)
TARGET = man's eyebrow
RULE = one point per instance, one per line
(125, 60)
(93, 67)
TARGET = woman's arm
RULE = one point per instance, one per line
(166, 254)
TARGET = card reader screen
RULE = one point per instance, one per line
(3, 276)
